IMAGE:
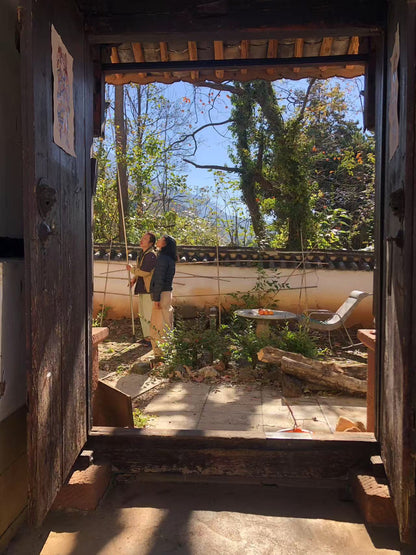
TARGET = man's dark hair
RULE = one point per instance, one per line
(170, 248)
(152, 237)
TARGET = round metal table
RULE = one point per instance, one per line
(263, 320)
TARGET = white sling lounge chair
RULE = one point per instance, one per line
(336, 319)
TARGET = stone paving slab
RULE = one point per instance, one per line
(186, 421)
(179, 405)
(231, 421)
(246, 408)
(350, 407)
(190, 387)
(231, 408)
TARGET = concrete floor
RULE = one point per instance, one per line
(195, 406)
(152, 518)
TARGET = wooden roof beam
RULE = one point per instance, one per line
(272, 48)
(115, 59)
(154, 21)
(236, 64)
(164, 56)
(193, 57)
(298, 52)
(326, 49)
(138, 55)
(219, 55)
(244, 53)
(353, 48)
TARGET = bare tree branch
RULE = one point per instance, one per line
(192, 135)
(306, 98)
(220, 87)
(209, 167)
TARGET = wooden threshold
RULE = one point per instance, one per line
(243, 454)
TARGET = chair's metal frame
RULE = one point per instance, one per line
(322, 324)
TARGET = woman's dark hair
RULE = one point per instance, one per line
(170, 248)
(152, 237)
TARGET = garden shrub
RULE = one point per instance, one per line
(296, 341)
(194, 343)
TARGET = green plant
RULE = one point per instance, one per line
(141, 420)
(264, 291)
(244, 342)
(101, 315)
(193, 344)
(297, 341)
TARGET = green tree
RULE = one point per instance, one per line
(343, 168)
(271, 152)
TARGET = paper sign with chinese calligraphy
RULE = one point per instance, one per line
(63, 95)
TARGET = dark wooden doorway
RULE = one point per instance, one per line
(57, 242)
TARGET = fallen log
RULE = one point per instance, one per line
(328, 374)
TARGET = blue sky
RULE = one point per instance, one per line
(215, 142)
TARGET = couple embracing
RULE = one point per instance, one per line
(152, 280)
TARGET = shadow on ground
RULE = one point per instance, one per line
(155, 518)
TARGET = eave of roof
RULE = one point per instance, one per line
(243, 60)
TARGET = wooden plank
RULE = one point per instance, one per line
(326, 49)
(193, 56)
(12, 530)
(164, 56)
(222, 454)
(138, 55)
(56, 266)
(353, 47)
(244, 53)
(98, 95)
(241, 21)
(219, 55)
(370, 92)
(43, 321)
(13, 492)
(112, 407)
(235, 64)
(397, 358)
(114, 57)
(89, 251)
(298, 52)
(272, 48)
(13, 442)
(242, 74)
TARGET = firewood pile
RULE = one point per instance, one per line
(298, 371)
